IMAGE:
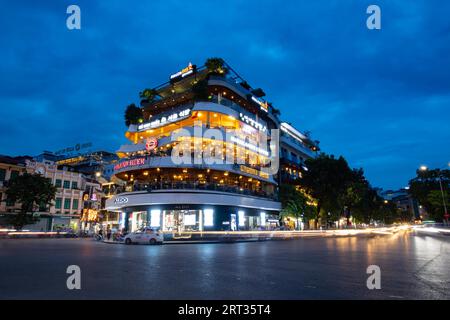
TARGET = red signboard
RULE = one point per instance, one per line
(151, 144)
(129, 163)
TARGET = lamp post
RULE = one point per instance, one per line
(446, 216)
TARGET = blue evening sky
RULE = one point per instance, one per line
(380, 98)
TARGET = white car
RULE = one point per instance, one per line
(146, 235)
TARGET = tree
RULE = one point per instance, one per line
(293, 209)
(133, 115)
(425, 188)
(295, 202)
(357, 197)
(326, 180)
(434, 198)
(32, 191)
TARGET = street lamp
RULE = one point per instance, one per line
(425, 168)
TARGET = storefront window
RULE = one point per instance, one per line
(181, 220)
(155, 218)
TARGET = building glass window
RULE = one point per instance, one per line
(74, 185)
(58, 183)
(58, 203)
(66, 184)
(67, 204)
(2, 174)
(75, 204)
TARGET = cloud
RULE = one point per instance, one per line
(380, 98)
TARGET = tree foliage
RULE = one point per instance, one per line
(341, 191)
(425, 188)
(296, 203)
(326, 180)
(32, 191)
(133, 115)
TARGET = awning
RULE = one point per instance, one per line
(131, 148)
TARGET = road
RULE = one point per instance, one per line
(412, 267)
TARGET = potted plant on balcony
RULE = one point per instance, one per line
(133, 115)
(147, 96)
(216, 66)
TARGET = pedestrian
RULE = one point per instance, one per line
(108, 233)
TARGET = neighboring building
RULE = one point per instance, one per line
(404, 202)
(295, 149)
(75, 192)
(94, 164)
(9, 168)
(66, 210)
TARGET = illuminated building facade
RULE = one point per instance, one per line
(203, 157)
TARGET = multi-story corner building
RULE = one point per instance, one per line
(197, 195)
(200, 114)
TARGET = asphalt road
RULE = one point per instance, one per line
(412, 267)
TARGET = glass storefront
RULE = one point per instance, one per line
(182, 220)
(192, 219)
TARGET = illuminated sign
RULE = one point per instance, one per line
(190, 69)
(263, 218)
(249, 146)
(129, 163)
(120, 200)
(70, 160)
(254, 172)
(241, 218)
(155, 218)
(151, 144)
(165, 120)
(89, 215)
(78, 147)
(255, 124)
(263, 104)
(208, 217)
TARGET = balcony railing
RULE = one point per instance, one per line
(195, 186)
